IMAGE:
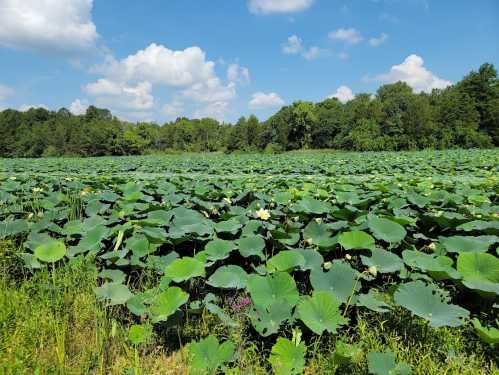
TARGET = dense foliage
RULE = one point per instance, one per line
(465, 115)
(291, 247)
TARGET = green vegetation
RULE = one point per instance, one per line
(465, 115)
(314, 263)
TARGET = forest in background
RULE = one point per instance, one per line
(465, 115)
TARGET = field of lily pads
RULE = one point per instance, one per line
(282, 264)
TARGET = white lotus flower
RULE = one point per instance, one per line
(262, 214)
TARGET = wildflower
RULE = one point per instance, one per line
(348, 257)
(13, 178)
(37, 190)
(328, 265)
(228, 200)
(241, 304)
(30, 216)
(432, 246)
(373, 270)
(262, 214)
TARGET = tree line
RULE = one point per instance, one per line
(464, 115)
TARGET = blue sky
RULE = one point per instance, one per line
(155, 60)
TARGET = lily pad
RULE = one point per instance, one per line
(228, 277)
(184, 269)
(384, 364)
(51, 251)
(384, 261)
(251, 246)
(429, 303)
(287, 358)
(356, 240)
(264, 290)
(208, 355)
(167, 303)
(479, 244)
(321, 312)
(341, 280)
(219, 249)
(386, 230)
(286, 261)
(116, 293)
(480, 271)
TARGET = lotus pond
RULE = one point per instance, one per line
(291, 251)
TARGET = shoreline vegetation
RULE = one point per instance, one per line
(464, 115)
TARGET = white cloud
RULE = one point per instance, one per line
(173, 110)
(160, 65)
(5, 92)
(42, 25)
(292, 46)
(211, 90)
(103, 87)
(376, 42)
(312, 53)
(260, 100)
(129, 82)
(349, 35)
(278, 6)
(27, 107)
(413, 72)
(120, 95)
(216, 110)
(236, 73)
(78, 107)
(343, 94)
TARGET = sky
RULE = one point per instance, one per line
(156, 60)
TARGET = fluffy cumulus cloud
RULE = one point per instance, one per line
(187, 75)
(261, 100)
(278, 6)
(294, 46)
(47, 25)
(343, 94)
(413, 72)
(121, 95)
(347, 35)
(78, 107)
(160, 65)
(376, 42)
